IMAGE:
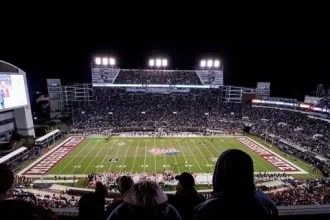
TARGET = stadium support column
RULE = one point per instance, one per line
(23, 117)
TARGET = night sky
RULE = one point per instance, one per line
(294, 67)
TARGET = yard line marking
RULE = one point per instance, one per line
(130, 142)
(252, 155)
(92, 148)
(101, 148)
(119, 147)
(106, 154)
(202, 155)
(184, 156)
(137, 146)
(208, 150)
(164, 154)
(75, 156)
(177, 165)
(145, 156)
(155, 156)
(194, 156)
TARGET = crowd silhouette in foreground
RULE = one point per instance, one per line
(233, 190)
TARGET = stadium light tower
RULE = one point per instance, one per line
(158, 62)
(164, 62)
(151, 62)
(112, 61)
(203, 63)
(98, 61)
(209, 63)
(216, 63)
(105, 61)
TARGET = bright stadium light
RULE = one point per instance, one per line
(203, 63)
(98, 61)
(105, 61)
(151, 62)
(210, 63)
(216, 63)
(164, 62)
(158, 62)
(112, 61)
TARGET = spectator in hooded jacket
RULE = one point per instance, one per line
(234, 194)
(124, 184)
(145, 200)
(186, 197)
(91, 206)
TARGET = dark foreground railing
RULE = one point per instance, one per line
(315, 212)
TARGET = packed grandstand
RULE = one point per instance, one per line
(285, 134)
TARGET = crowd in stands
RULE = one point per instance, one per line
(308, 192)
(172, 77)
(117, 108)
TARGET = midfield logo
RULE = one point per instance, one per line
(159, 151)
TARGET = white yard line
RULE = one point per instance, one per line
(92, 148)
(207, 162)
(101, 148)
(145, 156)
(137, 146)
(155, 156)
(119, 147)
(162, 149)
(75, 156)
(106, 155)
(194, 156)
(130, 142)
(177, 165)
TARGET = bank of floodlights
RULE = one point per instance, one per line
(210, 63)
(158, 63)
(105, 61)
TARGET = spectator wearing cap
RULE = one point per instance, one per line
(124, 184)
(234, 194)
(186, 197)
(145, 200)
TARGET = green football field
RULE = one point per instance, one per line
(124, 154)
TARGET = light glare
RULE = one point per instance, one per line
(105, 61)
(152, 62)
(209, 63)
(98, 61)
(112, 61)
(164, 62)
(203, 63)
(158, 62)
(216, 63)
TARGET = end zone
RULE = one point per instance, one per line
(50, 159)
(283, 165)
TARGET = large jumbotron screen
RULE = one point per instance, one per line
(12, 91)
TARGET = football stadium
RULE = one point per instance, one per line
(160, 142)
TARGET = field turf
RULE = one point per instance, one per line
(186, 154)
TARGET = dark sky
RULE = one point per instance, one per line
(292, 65)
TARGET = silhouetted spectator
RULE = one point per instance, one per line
(186, 197)
(91, 206)
(234, 194)
(124, 184)
(145, 200)
(16, 209)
